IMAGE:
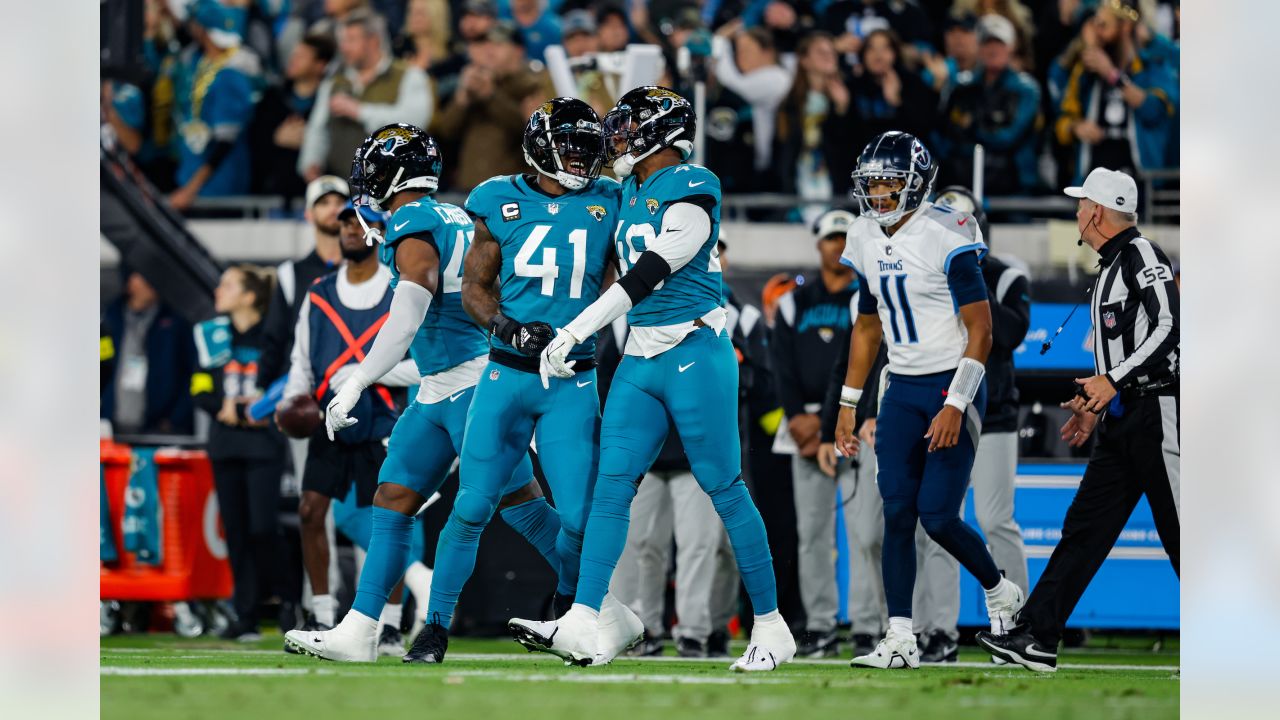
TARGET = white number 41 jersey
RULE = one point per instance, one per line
(906, 278)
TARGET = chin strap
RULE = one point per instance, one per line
(371, 234)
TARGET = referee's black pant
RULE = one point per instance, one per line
(1135, 454)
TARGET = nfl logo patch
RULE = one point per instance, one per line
(633, 202)
(1109, 319)
(553, 208)
(493, 375)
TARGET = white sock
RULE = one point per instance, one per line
(900, 625)
(418, 580)
(324, 607)
(591, 612)
(995, 592)
(359, 623)
(769, 617)
(391, 615)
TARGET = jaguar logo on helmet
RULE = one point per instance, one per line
(597, 212)
(392, 138)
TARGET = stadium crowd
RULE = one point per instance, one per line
(261, 96)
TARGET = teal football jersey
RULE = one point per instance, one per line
(448, 335)
(554, 248)
(695, 289)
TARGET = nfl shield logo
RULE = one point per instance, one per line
(553, 208)
(1109, 319)
(493, 375)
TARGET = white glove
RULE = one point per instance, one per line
(336, 416)
(342, 375)
(553, 357)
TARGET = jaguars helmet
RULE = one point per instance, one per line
(959, 197)
(395, 157)
(644, 121)
(893, 155)
(563, 141)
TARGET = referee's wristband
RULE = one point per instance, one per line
(849, 397)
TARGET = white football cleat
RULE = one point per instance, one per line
(771, 645)
(573, 638)
(896, 650)
(350, 641)
(620, 630)
(1003, 605)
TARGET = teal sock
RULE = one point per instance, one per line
(539, 523)
(387, 556)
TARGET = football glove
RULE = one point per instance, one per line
(553, 362)
(529, 339)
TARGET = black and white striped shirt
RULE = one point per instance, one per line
(1135, 313)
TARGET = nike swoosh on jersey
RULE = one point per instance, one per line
(454, 398)
(696, 184)
(406, 222)
(682, 368)
(962, 221)
(584, 384)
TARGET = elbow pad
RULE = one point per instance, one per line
(643, 278)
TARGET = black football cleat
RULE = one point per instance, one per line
(939, 648)
(1018, 646)
(560, 605)
(863, 644)
(648, 647)
(818, 644)
(718, 644)
(390, 642)
(690, 648)
(430, 645)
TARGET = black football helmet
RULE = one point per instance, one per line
(644, 121)
(894, 155)
(395, 157)
(563, 141)
(959, 197)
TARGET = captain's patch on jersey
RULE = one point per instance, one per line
(510, 211)
(597, 212)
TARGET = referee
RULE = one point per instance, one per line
(1133, 403)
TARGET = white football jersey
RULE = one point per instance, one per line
(907, 275)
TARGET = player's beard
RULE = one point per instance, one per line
(357, 254)
(331, 229)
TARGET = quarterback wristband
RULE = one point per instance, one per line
(849, 397)
(965, 384)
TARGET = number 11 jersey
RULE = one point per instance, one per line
(554, 248)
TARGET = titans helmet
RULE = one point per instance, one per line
(395, 157)
(894, 156)
(959, 197)
(563, 140)
(644, 121)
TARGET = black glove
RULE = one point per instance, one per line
(527, 338)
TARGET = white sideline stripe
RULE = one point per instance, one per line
(169, 672)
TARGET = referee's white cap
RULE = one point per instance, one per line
(1108, 188)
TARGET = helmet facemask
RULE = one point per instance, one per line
(576, 153)
(626, 144)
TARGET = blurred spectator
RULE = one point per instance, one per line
(486, 114)
(814, 155)
(788, 20)
(247, 456)
(999, 108)
(752, 71)
(425, 40)
(281, 121)
(888, 97)
(371, 90)
(334, 14)
(578, 33)
(538, 25)
(852, 21)
(614, 31)
(1116, 110)
(154, 354)
(477, 18)
(1019, 15)
(960, 48)
(124, 109)
(208, 93)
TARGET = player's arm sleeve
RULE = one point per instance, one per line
(685, 229)
(782, 357)
(964, 277)
(409, 305)
(1011, 310)
(1150, 277)
(315, 140)
(412, 105)
(300, 381)
(404, 374)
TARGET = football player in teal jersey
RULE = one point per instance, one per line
(543, 241)
(398, 168)
(678, 362)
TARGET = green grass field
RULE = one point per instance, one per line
(162, 676)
